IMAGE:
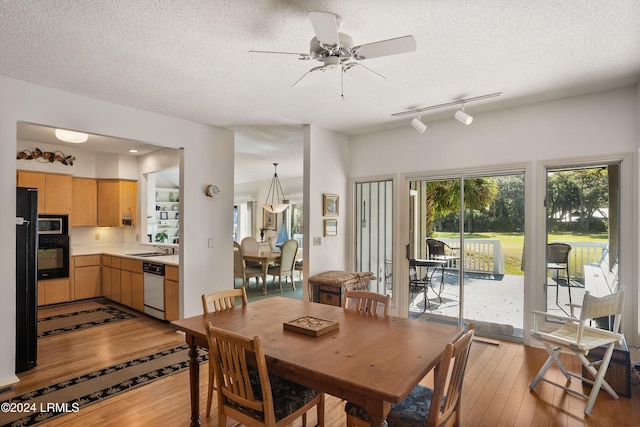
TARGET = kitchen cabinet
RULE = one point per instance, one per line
(54, 190)
(131, 283)
(116, 202)
(84, 202)
(105, 276)
(171, 293)
(53, 291)
(86, 276)
(116, 291)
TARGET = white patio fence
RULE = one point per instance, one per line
(485, 256)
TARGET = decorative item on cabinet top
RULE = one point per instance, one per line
(46, 156)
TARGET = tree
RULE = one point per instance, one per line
(443, 198)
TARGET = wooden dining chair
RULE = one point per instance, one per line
(287, 261)
(366, 301)
(252, 396)
(417, 409)
(218, 301)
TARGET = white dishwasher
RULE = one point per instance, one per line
(153, 289)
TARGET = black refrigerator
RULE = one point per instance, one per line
(26, 278)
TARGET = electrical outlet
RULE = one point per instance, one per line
(97, 236)
(317, 241)
(210, 242)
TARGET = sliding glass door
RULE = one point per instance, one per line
(465, 251)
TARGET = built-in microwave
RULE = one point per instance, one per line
(53, 224)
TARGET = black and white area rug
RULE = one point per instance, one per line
(72, 395)
(69, 322)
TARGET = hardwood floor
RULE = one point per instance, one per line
(496, 388)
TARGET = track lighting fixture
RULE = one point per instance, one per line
(463, 117)
(460, 115)
(418, 125)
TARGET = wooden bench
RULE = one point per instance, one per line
(601, 279)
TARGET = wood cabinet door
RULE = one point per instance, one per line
(86, 282)
(116, 294)
(125, 287)
(137, 291)
(58, 194)
(171, 300)
(84, 202)
(55, 290)
(107, 203)
(127, 202)
(33, 180)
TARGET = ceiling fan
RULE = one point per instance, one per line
(336, 51)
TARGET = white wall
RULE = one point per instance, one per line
(208, 155)
(595, 126)
(326, 157)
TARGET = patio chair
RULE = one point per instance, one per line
(417, 409)
(366, 302)
(417, 284)
(576, 336)
(558, 261)
(250, 395)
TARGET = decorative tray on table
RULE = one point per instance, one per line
(311, 326)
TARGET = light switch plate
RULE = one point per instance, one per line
(210, 242)
(317, 241)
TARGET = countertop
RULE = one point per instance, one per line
(126, 252)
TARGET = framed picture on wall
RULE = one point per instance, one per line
(164, 215)
(330, 204)
(330, 227)
(269, 220)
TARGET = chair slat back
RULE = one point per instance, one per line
(448, 377)
(229, 353)
(223, 300)
(366, 302)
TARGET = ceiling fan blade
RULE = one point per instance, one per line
(301, 55)
(312, 77)
(385, 47)
(325, 26)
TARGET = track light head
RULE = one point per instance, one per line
(418, 125)
(463, 117)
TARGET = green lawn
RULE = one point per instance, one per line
(512, 244)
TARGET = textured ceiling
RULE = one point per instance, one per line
(190, 59)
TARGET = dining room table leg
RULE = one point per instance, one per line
(194, 382)
(378, 411)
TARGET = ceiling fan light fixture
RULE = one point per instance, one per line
(71, 136)
(275, 202)
(463, 117)
(418, 125)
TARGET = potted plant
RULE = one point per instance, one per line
(162, 237)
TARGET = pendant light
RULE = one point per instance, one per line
(275, 202)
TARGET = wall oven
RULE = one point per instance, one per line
(53, 247)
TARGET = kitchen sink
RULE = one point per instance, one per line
(149, 254)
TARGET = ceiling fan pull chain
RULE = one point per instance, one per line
(342, 83)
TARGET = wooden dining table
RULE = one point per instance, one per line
(372, 361)
(264, 258)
